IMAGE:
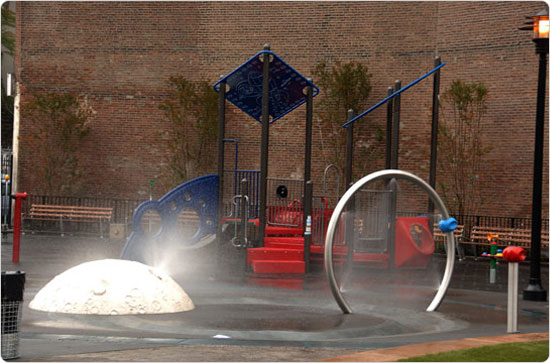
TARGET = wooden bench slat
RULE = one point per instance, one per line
(64, 213)
(506, 236)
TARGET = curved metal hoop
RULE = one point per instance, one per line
(331, 231)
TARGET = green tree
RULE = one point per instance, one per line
(192, 112)
(345, 86)
(462, 145)
(58, 124)
(8, 22)
(8, 46)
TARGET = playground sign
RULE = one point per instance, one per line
(286, 87)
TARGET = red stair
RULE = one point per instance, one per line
(280, 255)
(279, 267)
(274, 254)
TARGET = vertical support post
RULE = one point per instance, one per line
(512, 309)
(309, 222)
(243, 235)
(17, 226)
(389, 121)
(433, 144)
(264, 146)
(493, 263)
(221, 136)
(308, 185)
(309, 132)
(244, 212)
(349, 150)
(392, 185)
(394, 165)
(395, 126)
(535, 291)
(348, 220)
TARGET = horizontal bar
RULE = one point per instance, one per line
(392, 95)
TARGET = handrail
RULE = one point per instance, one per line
(392, 96)
(338, 174)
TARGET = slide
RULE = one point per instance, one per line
(183, 218)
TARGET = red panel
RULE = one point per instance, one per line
(287, 231)
(265, 253)
(414, 243)
(279, 267)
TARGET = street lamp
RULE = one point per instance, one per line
(539, 25)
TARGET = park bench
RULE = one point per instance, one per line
(439, 238)
(64, 213)
(188, 222)
(506, 237)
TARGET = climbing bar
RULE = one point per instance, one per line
(392, 95)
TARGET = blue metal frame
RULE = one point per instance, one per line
(285, 90)
(392, 96)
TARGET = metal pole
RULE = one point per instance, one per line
(308, 186)
(221, 136)
(393, 183)
(264, 146)
(309, 128)
(17, 226)
(512, 309)
(244, 221)
(308, 215)
(348, 220)
(349, 150)
(433, 145)
(389, 120)
(535, 291)
(395, 126)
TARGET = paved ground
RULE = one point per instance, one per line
(297, 321)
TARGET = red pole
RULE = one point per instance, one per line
(17, 226)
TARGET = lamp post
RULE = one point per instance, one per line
(539, 25)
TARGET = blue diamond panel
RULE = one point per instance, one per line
(286, 87)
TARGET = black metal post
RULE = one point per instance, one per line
(244, 212)
(309, 132)
(535, 291)
(389, 120)
(348, 232)
(394, 165)
(307, 213)
(221, 136)
(433, 144)
(264, 147)
(244, 222)
(349, 150)
(395, 126)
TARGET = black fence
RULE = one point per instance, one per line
(124, 208)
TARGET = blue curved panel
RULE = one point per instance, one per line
(199, 195)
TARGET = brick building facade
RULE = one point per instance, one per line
(121, 54)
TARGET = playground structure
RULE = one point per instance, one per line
(289, 223)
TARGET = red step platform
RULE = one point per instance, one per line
(279, 267)
(274, 254)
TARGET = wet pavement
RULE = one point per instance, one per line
(260, 319)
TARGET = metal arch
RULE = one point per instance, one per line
(381, 175)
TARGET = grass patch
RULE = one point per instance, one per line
(509, 352)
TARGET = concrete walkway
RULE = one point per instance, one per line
(184, 353)
(266, 323)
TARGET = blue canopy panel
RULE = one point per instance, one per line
(286, 87)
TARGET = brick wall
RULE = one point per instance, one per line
(121, 55)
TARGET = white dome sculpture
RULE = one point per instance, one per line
(112, 287)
